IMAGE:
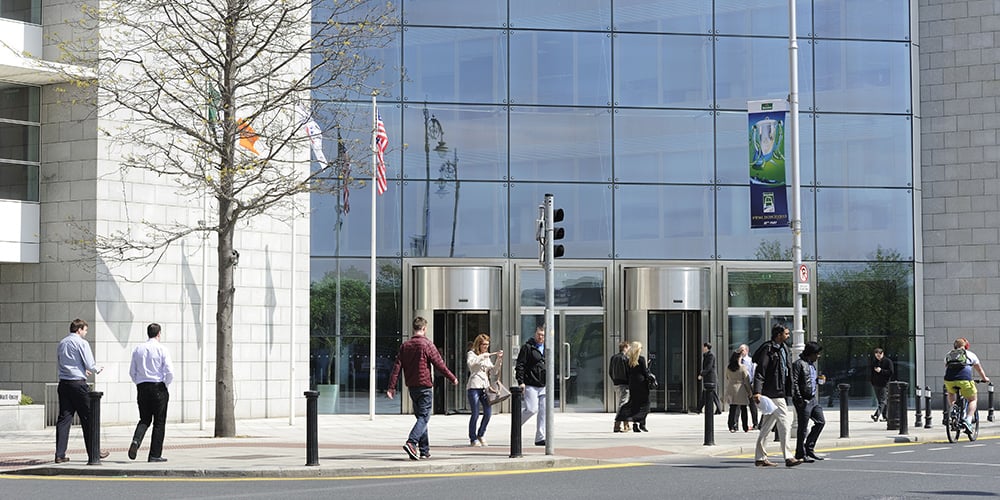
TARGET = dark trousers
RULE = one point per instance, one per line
(74, 398)
(734, 411)
(753, 415)
(709, 392)
(804, 412)
(881, 395)
(152, 398)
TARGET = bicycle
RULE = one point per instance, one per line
(956, 415)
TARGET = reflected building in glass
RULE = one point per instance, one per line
(633, 114)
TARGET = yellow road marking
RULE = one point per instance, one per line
(345, 478)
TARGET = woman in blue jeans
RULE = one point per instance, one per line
(481, 367)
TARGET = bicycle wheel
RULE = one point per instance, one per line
(954, 425)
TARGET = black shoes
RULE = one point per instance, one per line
(805, 459)
(133, 449)
(875, 417)
(157, 459)
(411, 450)
(814, 456)
(540, 443)
(635, 427)
(60, 460)
(642, 427)
(792, 462)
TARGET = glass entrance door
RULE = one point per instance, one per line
(579, 358)
(673, 355)
(454, 332)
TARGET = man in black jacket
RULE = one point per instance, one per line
(879, 376)
(618, 371)
(530, 374)
(805, 396)
(708, 378)
(772, 379)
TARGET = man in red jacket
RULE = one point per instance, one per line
(416, 356)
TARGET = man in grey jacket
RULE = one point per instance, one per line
(805, 396)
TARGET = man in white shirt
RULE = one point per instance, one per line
(76, 363)
(151, 372)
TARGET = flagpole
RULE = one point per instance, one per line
(371, 299)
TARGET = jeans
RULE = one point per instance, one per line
(423, 398)
(534, 402)
(152, 399)
(477, 398)
(74, 397)
(804, 412)
(782, 420)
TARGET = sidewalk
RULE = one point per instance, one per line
(353, 445)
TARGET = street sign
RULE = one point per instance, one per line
(803, 274)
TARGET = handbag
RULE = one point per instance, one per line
(651, 382)
(497, 392)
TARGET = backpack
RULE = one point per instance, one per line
(956, 357)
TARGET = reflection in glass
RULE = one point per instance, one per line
(18, 102)
(464, 219)
(561, 14)
(848, 146)
(738, 242)
(653, 145)
(663, 70)
(664, 222)
(560, 144)
(861, 224)
(560, 68)
(760, 289)
(657, 16)
(479, 13)
(866, 77)
(479, 131)
(587, 223)
(355, 228)
(455, 65)
(873, 19)
(19, 142)
(572, 288)
(750, 69)
(18, 182)
(732, 156)
(339, 352)
(761, 17)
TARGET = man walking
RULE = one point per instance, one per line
(805, 396)
(151, 373)
(416, 357)
(880, 375)
(530, 374)
(618, 371)
(772, 379)
(76, 363)
(709, 380)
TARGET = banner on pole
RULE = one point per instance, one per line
(766, 138)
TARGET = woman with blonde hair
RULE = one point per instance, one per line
(481, 367)
(638, 387)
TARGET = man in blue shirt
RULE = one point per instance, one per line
(151, 372)
(76, 363)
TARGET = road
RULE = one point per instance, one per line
(930, 470)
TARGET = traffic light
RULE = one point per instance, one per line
(557, 233)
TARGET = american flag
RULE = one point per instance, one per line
(381, 141)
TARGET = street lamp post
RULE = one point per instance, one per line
(432, 130)
(449, 172)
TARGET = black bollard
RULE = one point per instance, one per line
(927, 405)
(903, 426)
(989, 414)
(844, 415)
(918, 418)
(944, 406)
(892, 406)
(709, 395)
(312, 428)
(516, 395)
(94, 450)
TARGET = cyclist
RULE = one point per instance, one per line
(958, 377)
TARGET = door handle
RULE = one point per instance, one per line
(569, 351)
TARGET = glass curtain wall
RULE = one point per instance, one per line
(633, 114)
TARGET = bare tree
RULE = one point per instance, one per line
(206, 94)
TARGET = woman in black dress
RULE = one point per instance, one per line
(638, 386)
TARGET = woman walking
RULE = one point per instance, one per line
(481, 367)
(738, 390)
(637, 407)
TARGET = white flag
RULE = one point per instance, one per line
(314, 133)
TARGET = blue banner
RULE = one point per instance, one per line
(766, 137)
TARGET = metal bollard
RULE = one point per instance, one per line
(892, 406)
(94, 450)
(927, 413)
(844, 415)
(312, 428)
(903, 426)
(989, 414)
(709, 395)
(918, 417)
(516, 395)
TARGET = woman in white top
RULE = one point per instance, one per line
(481, 367)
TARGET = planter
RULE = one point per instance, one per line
(22, 418)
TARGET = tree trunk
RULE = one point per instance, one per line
(225, 417)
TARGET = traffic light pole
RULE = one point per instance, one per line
(550, 299)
